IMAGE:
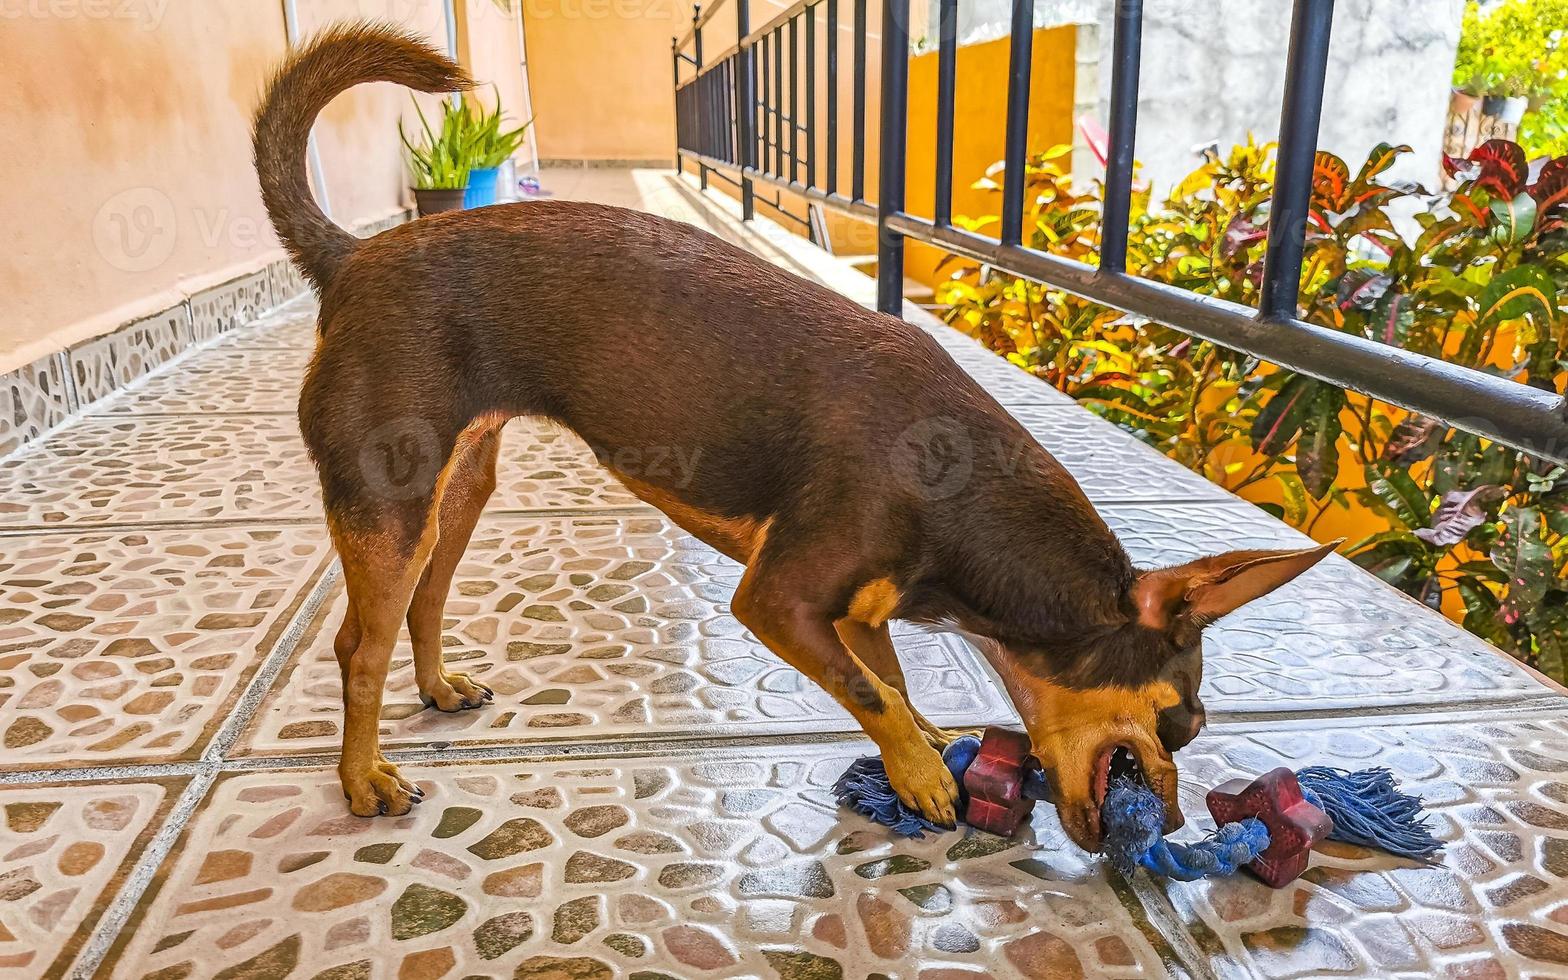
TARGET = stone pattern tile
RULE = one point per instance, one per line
(33, 399)
(1328, 640)
(217, 381)
(723, 865)
(224, 307)
(1493, 904)
(598, 628)
(1109, 464)
(284, 282)
(292, 324)
(161, 468)
(153, 470)
(103, 365)
(545, 466)
(130, 645)
(63, 850)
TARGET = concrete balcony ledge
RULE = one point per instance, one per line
(649, 795)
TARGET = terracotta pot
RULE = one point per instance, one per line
(1464, 122)
(436, 201)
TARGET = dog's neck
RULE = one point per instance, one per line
(1025, 561)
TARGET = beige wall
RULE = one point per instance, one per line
(125, 131)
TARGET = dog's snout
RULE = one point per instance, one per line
(1179, 724)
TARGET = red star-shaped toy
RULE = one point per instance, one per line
(1294, 824)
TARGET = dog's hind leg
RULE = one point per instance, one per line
(873, 645)
(470, 481)
(381, 566)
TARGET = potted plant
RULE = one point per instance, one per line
(441, 163)
(1511, 60)
(492, 146)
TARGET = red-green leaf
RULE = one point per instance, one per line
(1361, 288)
(1523, 290)
(1395, 490)
(1551, 185)
(1461, 512)
(1503, 167)
(1280, 419)
(1549, 626)
(1317, 449)
(1482, 611)
(1523, 555)
(1415, 438)
(1391, 319)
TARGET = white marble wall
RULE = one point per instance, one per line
(1214, 70)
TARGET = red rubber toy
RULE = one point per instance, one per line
(995, 780)
(1294, 824)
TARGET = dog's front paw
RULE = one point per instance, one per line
(923, 783)
(379, 790)
(455, 692)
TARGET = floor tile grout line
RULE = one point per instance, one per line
(1166, 921)
(261, 681)
(119, 911)
(531, 513)
(611, 747)
(205, 773)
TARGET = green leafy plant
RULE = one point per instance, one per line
(491, 144)
(441, 161)
(1514, 48)
(1460, 523)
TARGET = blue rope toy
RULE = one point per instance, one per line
(1364, 808)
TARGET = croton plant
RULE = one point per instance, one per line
(1475, 276)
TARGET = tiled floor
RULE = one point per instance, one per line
(648, 797)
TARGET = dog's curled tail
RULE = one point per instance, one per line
(335, 60)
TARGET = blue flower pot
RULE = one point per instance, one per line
(481, 187)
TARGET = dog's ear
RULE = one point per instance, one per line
(1183, 599)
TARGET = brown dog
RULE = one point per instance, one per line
(808, 424)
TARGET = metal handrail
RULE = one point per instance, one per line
(741, 130)
(699, 18)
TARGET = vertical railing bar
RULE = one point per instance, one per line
(745, 107)
(1125, 55)
(702, 107)
(778, 100)
(1306, 69)
(857, 174)
(765, 68)
(832, 97)
(1020, 53)
(946, 85)
(675, 65)
(894, 139)
(794, 98)
(811, 96)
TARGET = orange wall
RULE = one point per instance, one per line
(600, 75)
(980, 125)
(128, 182)
(979, 131)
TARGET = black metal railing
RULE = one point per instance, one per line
(726, 122)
